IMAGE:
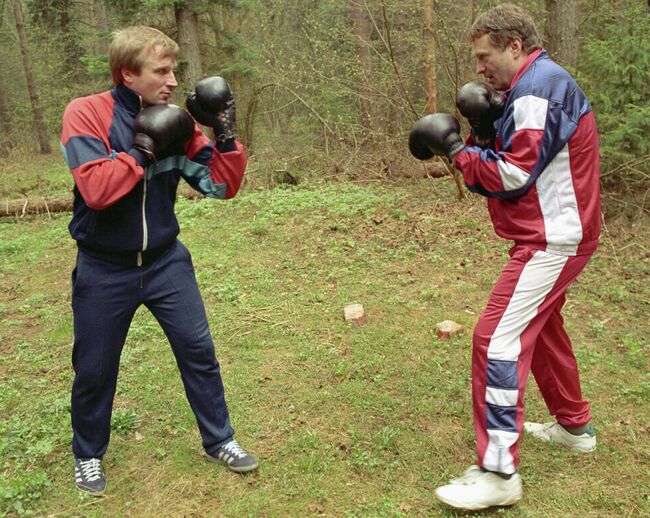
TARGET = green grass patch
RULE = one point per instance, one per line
(346, 421)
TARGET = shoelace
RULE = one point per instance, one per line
(468, 477)
(91, 469)
(234, 449)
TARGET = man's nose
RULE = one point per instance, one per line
(171, 80)
(480, 67)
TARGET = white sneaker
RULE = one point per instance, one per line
(478, 489)
(555, 432)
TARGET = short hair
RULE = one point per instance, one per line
(505, 22)
(130, 48)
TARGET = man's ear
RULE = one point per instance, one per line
(128, 75)
(516, 47)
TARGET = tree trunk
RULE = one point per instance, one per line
(187, 23)
(31, 83)
(72, 50)
(397, 55)
(430, 74)
(5, 121)
(98, 19)
(361, 34)
(561, 31)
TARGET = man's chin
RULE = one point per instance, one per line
(495, 85)
(156, 102)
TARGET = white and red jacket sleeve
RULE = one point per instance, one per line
(102, 175)
(536, 129)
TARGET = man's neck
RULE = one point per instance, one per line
(523, 62)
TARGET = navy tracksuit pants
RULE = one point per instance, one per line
(105, 296)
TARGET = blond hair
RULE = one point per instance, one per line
(131, 46)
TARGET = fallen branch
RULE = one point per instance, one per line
(37, 205)
(20, 207)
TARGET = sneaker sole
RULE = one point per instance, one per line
(550, 440)
(572, 448)
(89, 491)
(478, 507)
(244, 469)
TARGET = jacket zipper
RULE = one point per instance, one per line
(145, 236)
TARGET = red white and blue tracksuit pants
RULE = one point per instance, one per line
(521, 330)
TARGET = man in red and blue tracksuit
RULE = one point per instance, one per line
(127, 150)
(538, 166)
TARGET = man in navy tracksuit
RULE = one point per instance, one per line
(127, 150)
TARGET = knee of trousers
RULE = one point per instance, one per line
(481, 336)
(93, 369)
(87, 382)
(197, 351)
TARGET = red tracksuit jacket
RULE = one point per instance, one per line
(542, 179)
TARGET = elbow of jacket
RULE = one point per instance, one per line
(231, 193)
(95, 203)
(506, 195)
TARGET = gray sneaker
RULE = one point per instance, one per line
(234, 457)
(89, 476)
(555, 432)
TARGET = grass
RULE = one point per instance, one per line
(33, 175)
(347, 421)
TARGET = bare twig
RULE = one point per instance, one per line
(452, 77)
(643, 203)
(611, 243)
(629, 164)
(642, 209)
(236, 334)
(71, 510)
(456, 176)
(282, 84)
(392, 60)
(47, 208)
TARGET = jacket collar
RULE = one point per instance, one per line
(128, 98)
(531, 57)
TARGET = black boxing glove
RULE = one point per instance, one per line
(159, 129)
(435, 134)
(481, 106)
(212, 104)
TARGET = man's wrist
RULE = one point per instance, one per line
(482, 142)
(143, 158)
(226, 145)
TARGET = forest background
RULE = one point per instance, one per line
(327, 86)
(347, 421)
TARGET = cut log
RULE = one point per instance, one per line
(354, 314)
(447, 329)
(41, 205)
